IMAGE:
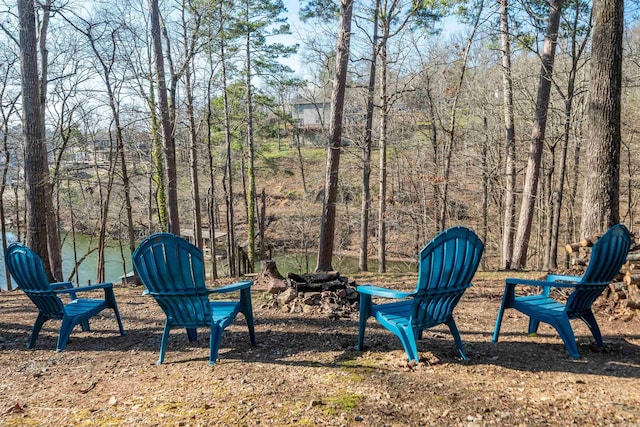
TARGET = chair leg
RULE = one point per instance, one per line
(247, 310)
(85, 325)
(35, 331)
(408, 339)
(214, 342)
(566, 333)
(456, 337)
(117, 312)
(496, 331)
(507, 299)
(65, 332)
(192, 334)
(590, 320)
(164, 341)
(365, 310)
(533, 326)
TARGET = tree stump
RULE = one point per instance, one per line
(271, 277)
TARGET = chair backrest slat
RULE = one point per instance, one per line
(608, 255)
(172, 269)
(447, 265)
(27, 269)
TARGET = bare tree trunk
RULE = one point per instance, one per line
(485, 183)
(8, 109)
(227, 183)
(105, 199)
(537, 138)
(300, 162)
(366, 150)
(193, 162)
(600, 204)
(510, 142)
(158, 158)
(211, 194)
(36, 160)
(167, 125)
(547, 212)
(251, 191)
(384, 122)
(328, 220)
(451, 138)
(576, 53)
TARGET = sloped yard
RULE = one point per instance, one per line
(305, 371)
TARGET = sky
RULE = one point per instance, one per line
(449, 26)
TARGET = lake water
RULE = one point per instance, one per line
(287, 263)
(87, 271)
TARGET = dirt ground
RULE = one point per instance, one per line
(304, 371)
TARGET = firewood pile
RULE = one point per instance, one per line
(623, 293)
(328, 294)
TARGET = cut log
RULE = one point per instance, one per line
(633, 256)
(572, 248)
(589, 241)
(631, 279)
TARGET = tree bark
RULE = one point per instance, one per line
(384, 122)
(510, 141)
(366, 149)
(251, 190)
(171, 179)
(36, 160)
(525, 220)
(328, 220)
(193, 137)
(600, 206)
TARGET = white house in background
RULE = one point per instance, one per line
(310, 119)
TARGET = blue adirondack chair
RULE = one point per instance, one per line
(172, 270)
(608, 255)
(27, 270)
(447, 265)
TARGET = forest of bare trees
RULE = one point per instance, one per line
(123, 118)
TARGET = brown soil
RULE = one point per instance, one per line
(305, 371)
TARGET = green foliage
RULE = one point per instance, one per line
(323, 10)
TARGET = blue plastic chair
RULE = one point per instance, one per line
(608, 255)
(172, 270)
(27, 270)
(447, 265)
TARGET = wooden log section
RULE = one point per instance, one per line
(584, 243)
(631, 279)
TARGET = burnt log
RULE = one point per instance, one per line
(317, 282)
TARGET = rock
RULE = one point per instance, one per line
(275, 286)
(286, 296)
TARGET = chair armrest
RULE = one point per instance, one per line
(66, 285)
(540, 283)
(382, 292)
(106, 285)
(563, 278)
(238, 286)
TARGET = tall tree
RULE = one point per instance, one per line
(170, 168)
(578, 39)
(8, 109)
(600, 204)
(36, 159)
(366, 146)
(328, 220)
(530, 189)
(510, 135)
(261, 20)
